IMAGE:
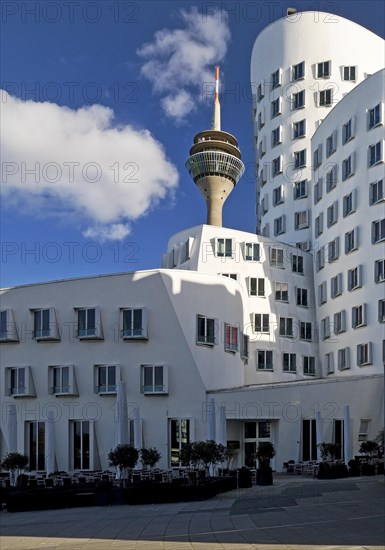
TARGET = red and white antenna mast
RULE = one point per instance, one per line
(216, 123)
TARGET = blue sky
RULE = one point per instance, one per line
(103, 99)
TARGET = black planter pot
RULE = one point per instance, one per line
(264, 476)
(368, 469)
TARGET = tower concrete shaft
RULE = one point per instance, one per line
(215, 163)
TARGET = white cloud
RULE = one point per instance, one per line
(113, 232)
(184, 58)
(106, 175)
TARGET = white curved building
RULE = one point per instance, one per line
(314, 59)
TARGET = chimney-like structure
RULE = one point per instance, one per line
(215, 163)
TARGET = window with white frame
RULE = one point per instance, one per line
(281, 291)
(378, 231)
(297, 265)
(300, 189)
(343, 358)
(355, 278)
(80, 444)
(381, 311)
(351, 240)
(348, 167)
(276, 107)
(89, 323)
(322, 293)
(17, 381)
(334, 250)
(231, 338)
(276, 166)
(279, 225)
(264, 359)
(278, 196)
(329, 363)
(289, 362)
(339, 321)
(348, 130)
(301, 219)
(276, 136)
(349, 73)
(262, 147)
(298, 100)
(261, 323)
(106, 379)
(35, 443)
(318, 224)
(376, 192)
(299, 129)
(244, 346)
(317, 156)
(276, 77)
(8, 328)
(257, 286)
(336, 285)
(45, 325)
(62, 379)
(276, 257)
(363, 430)
(375, 116)
(302, 297)
(134, 323)
(364, 354)
(359, 316)
(260, 91)
(331, 143)
(205, 330)
(375, 153)
(325, 328)
(332, 214)
(300, 159)
(265, 204)
(305, 331)
(325, 97)
(224, 248)
(233, 276)
(286, 327)
(154, 379)
(349, 203)
(261, 119)
(324, 69)
(318, 188)
(298, 71)
(320, 259)
(266, 230)
(180, 436)
(252, 252)
(331, 178)
(309, 365)
(379, 271)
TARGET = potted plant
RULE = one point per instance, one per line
(149, 456)
(123, 458)
(265, 452)
(370, 449)
(14, 463)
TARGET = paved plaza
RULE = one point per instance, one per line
(295, 514)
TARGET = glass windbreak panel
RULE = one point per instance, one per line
(250, 430)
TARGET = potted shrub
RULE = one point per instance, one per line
(149, 456)
(265, 452)
(14, 463)
(123, 458)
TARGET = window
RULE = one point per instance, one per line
(300, 189)
(276, 166)
(343, 358)
(364, 429)
(261, 323)
(349, 203)
(62, 380)
(320, 259)
(378, 231)
(276, 257)
(134, 323)
(18, 381)
(318, 191)
(339, 322)
(348, 167)
(375, 116)
(289, 362)
(359, 316)
(231, 338)
(89, 325)
(364, 354)
(348, 131)
(322, 293)
(80, 444)
(329, 363)
(317, 156)
(106, 378)
(332, 214)
(331, 179)
(299, 129)
(325, 98)
(305, 331)
(264, 359)
(376, 192)
(44, 324)
(336, 285)
(381, 311)
(8, 329)
(324, 69)
(349, 73)
(278, 196)
(276, 136)
(302, 297)
(300, 159)
(298, 100)
(279, 225)
(297, 263)
(286, 327)
(309, 365)
(36, 445)
(265, 204)
(334, 249)
(224, 248)
(262, 147)
(257, 286)
(154, 379)
(298, 71)
(266, 230)
(281, 292)
(351, 240)
(276, 79)
(261, 119)
(375, 153)
(252, 252)
(180, 436)
(318, 224)
(331, 143)
(354, 278)
(261, 91)
(245, 346)
(276, 107)
(379, 271)
(233, 276)
(301, 219)
(205, 330)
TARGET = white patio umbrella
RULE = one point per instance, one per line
(137, 434)
(210, 407)
(319, 436)
(50, 443)
(347, 451)
(222, 432)
(122, 414)
(11, 428)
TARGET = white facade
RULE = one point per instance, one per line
(314, 59)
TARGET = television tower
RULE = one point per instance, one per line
(215, 163)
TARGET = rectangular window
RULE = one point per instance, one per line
(336, 285)
(281, 292)
(260, 91)
(289, 362)
(154, 379)
(349, 203)
(41, 323)
(252, 252)
(245, 346)
(375, 153)
(318, 224)
(233, 276)
(224, 248)
(317, 156)
(18, 381)
(325, 98)
(264, 359)
(231, 338)
(348, 167)
(8, 328)
(300, 189)
(351, 240)
(329, 363)
(309, 365)
(320, 259)
(364, 354)
(355, 278)
(180, 437)
(381, 311)
(276, 166)
(322, 293)
(106, 378)
(378, 231)
(344, 358)
(334, 250)
(278, 196)
(276, 257)
(261, 119)
(279, 225)
(276, 136)
(286, 327)
(325, 328)
(348, 131)
(276, 77)
(61, 378)
(134, 323)
(36, 445)
(300, 159)
(375, 116)
(261, 323)
(276, 107)
(205, 330)
(318, 188)
(379, 271)
(297, 264)
(324, 69)
(301, 219)
(257, 286)
(262, 147)
(359, 316)
(364, 429)
(331, 178)
(89, 325)
(265, 204)
(299, 129)
(305, 331)
(331, 143)
(376, 192)
(298, 100)
(302, 297)
(298, 71)
(349, 73)
(339, 322)
(80, 444)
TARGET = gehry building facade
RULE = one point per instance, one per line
(239, 337)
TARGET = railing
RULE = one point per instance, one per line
(207, 163)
